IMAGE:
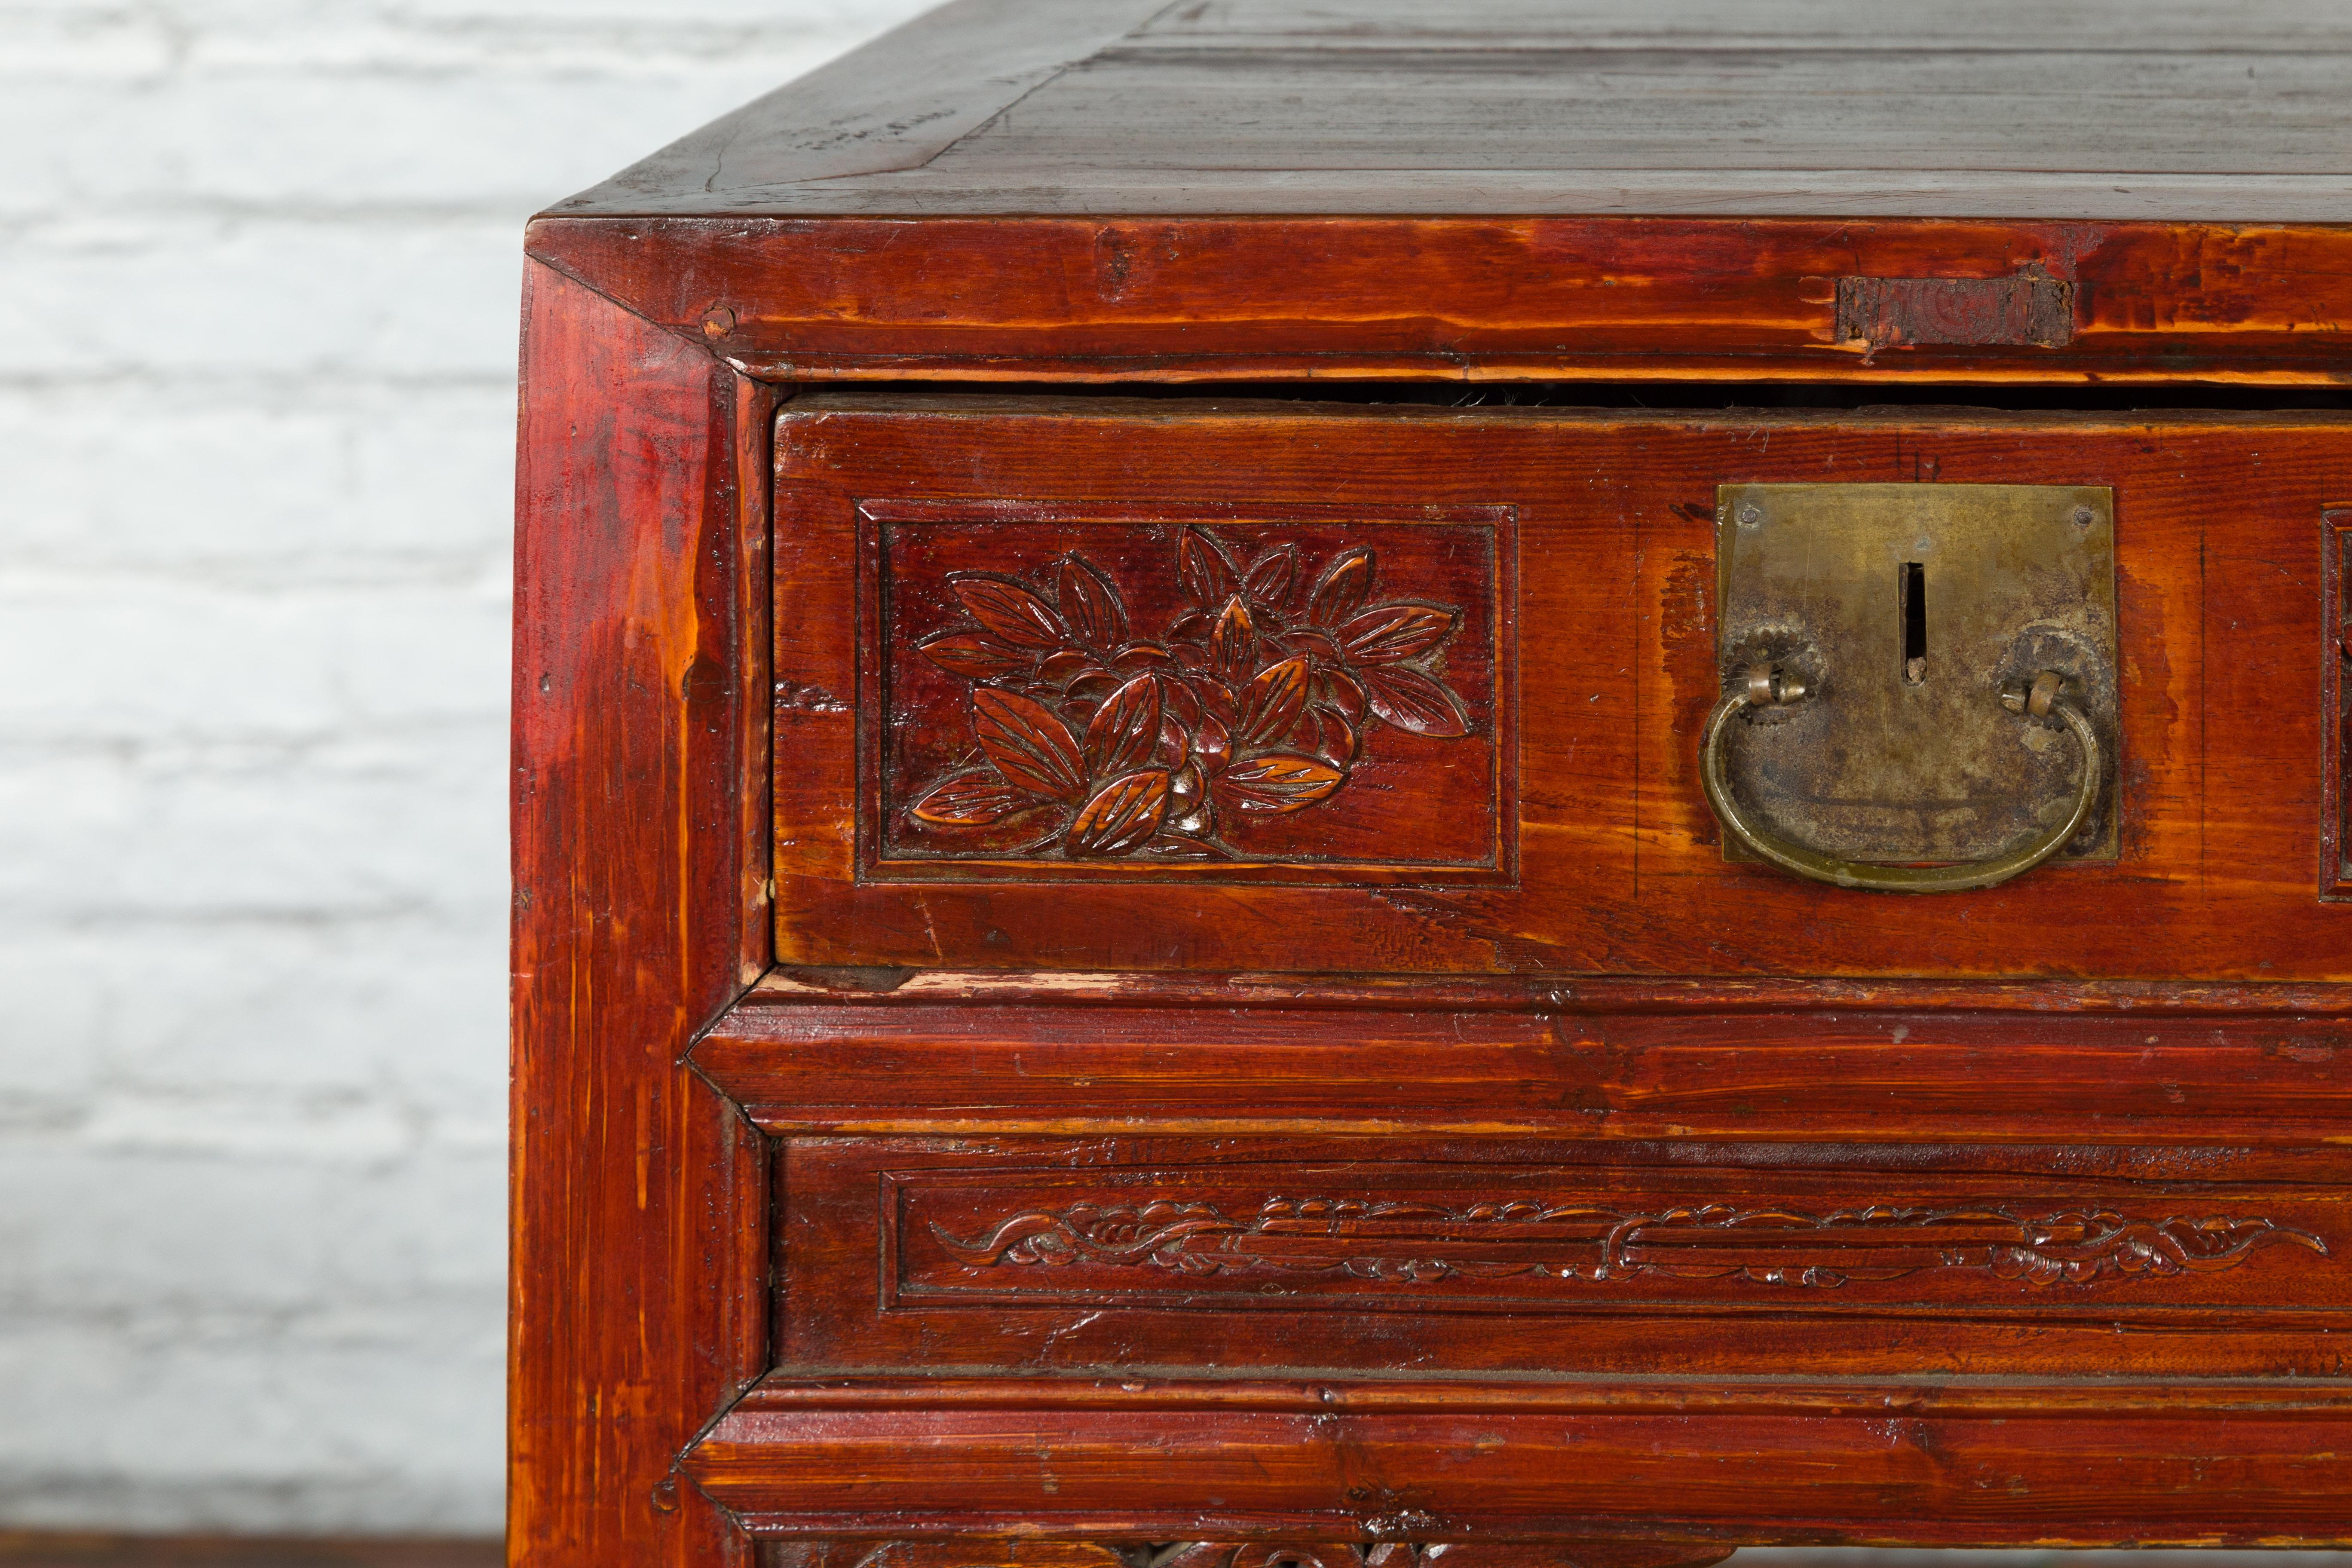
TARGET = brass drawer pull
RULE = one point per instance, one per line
(1763, 685)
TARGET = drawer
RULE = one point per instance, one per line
(1429, 686)
(1475, 1256)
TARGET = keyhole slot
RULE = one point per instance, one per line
(1914, 622)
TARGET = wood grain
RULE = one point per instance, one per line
(638, 1193)
(1836, 107)
(2335, 705)
(1948, 1462)
(1028, 1552)
(1618, 863)
(1122, 297)
(1507, 1258)
(1807, 1067)
(1465, 1166)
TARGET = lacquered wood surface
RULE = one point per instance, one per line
(1605, 667)
(1017, 1552)
(1452, 297)
(1831, 107)
(1486, 1256)
(639, 1195)
(1579, 1060)
(1350, 1115)
(1939, 1460)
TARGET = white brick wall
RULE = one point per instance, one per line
(258, 279)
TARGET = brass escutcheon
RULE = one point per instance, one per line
(1918, 680)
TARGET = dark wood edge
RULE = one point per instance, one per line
(2335, 651)
(1982, 1462)
(752, 474)
(639, 1205)
(1161, 1389)
(1939, 1078)
(1541, 993)
(1457, 298)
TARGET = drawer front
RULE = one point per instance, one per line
(1096, 685)
(1470, 1257)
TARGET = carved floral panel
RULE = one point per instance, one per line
(1210, 696)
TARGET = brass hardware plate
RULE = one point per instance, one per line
(1906, 607)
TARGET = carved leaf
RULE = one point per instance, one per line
(1265, 709)
(1143, 656)
(1342, 691)
(1391, 632)
(1029, 744)
(970, 800)
(1233, 643)
(1207, 573)
(1410, 700)
(1091, 604)
(1063, 667)
(1179, 701)
(975, 657)
(1310, 642)
(1123, 815)
(1269, 578)
(1126, 728)
(1343, 588)
(1279, 782)
(1175, 739)
(1321, 732)
(1212, 739)
(1011, 612)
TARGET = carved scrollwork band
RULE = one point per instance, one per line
(1035, 1554)
(1405, 1242)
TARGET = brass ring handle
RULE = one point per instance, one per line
(1762, 685)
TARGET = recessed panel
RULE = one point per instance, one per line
(1121, 695)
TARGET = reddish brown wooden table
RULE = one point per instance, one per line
(1119, 957)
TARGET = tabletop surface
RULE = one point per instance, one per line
(2189, 111)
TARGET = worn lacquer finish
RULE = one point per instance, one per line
(1258, 299)
(1792, 1062)
(1609, 861)
(1841, 108)
(1271, 1066)
(638, 1191)
(2014, 1461)
(1019, 1552)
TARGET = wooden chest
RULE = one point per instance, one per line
(1339, 783)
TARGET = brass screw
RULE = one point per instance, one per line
(1750, 516)
(2084, 517)
(718, 322)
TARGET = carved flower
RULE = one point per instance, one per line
(1248, 703)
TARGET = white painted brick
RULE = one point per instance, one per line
(256, 837)
(125, 658)
(258, 485)
(190, 1431)
(81, 43)
(404, 1007)
(258, 263)
(421, 298)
